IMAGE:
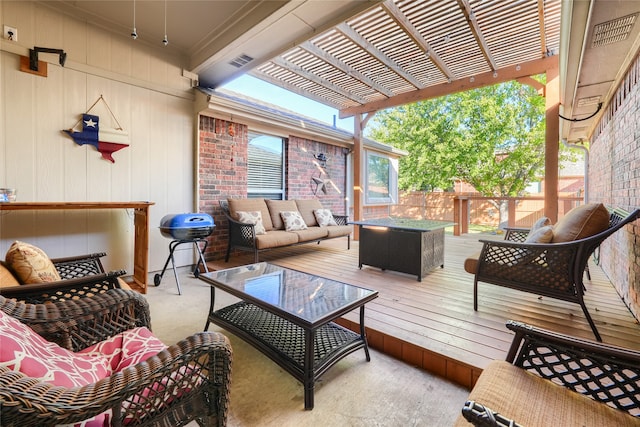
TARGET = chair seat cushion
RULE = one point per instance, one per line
(275, 239)
(338, 230)
(7, 279)
(471, 263)
(533, 401)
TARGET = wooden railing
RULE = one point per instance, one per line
(462, 208)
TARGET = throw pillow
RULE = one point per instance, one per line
(127, 348)
(252, 217)
(541, 235)
(581, 222)
(277, 206)
(324, 217)
(22, 350)
(293, 221)
(541, 222)
(30, 264)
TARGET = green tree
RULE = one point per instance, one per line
(491, 137)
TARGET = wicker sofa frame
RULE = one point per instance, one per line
(81, 275)
(242, 236)
(609, 375)
(190, 380)
(553, 270)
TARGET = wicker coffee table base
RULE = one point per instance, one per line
(305, 353)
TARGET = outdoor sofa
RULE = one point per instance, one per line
(551, 379)
(260, 224)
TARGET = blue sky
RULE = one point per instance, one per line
(256, 88)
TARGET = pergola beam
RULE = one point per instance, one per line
(417, 38)
(527, 69)
(377, 54)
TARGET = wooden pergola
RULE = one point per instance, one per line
(400, 52)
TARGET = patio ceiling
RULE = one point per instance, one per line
(406, 50)
(365, 55)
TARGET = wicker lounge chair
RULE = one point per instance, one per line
(555, 379)
(553, 270)
(187, 381)
(81, 275)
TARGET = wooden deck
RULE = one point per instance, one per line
(431, 324)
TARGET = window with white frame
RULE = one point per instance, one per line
(265, 166)
(381, 179)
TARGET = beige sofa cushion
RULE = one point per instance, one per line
(30, 264)
(311, 233)
(306, 208)
(277, 206)
(275, 239)
(338, 230)
(7, 279)
(532, 401)
(580, 222)
(249, 205)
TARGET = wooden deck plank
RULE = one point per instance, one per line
(436, 315)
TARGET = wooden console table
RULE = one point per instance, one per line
(140, 221)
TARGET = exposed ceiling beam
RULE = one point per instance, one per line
(295, 89)
(345, 68)
(397, 15)
(294, 68)
(526, 69)
(377, 54)
(477, 33)
(543, 39)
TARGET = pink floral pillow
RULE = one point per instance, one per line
(127, 349)
(22, 350)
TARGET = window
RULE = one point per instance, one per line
(382, 179)
(265, 166)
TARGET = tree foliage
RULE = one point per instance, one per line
(492, 138)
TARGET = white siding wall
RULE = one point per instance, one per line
(143, 86)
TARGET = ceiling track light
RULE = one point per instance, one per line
(134, 32)
(165, 40)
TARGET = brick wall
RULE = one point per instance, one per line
(222, 173)
(614, 179)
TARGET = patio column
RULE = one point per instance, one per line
(357, 173)
(552, 141)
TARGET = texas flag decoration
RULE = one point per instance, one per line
(106, 141)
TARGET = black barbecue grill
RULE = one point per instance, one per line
(185, 228)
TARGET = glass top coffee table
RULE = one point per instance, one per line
(288, 315)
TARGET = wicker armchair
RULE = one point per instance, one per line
(189, 380)
(608, 375)
(81, 275)
(553, 270)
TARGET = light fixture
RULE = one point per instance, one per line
(134, 32)
(321, 158)
(472, 79)
(165, 40)
(33, 56)
(518, 68)
(495, 74)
